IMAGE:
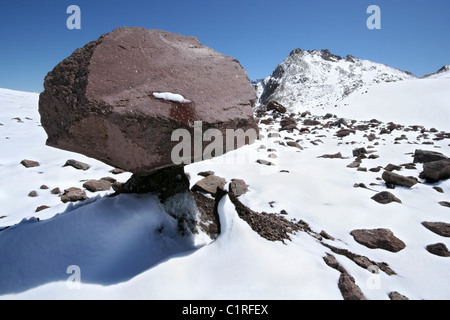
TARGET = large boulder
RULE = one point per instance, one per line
(120, 98)
(436, 170)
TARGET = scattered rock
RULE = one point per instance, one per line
(294, 144)
(97, 185)
(117, 171)
(394, 295)
(29, 163)
(378, 239)
(354, 164)
(344, 132)
(238, 187)
(385, 197)
(445, 204)
(205, 173)
(270, 226)
(40, 208)
(436, 171)
(348, 288)
(77, 164)
(120, 98)
(275, 106)
(265, 162)
(439, 249)
(425, 156)
(438, 189)
(33, 194)
(55, 191)
(391, 167)
(311, 122)
(440, 228)
(392, 178)
(359, 153)
(209, 184)
(332, 156)
(43, 187)
(73, 195)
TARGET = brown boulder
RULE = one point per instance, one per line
(378, 239)
(440, 228)
(385, 197)
(425, 156)
(210, 184)
(392, 178)
(29, 163)
(436, 170)
(275, 106)
(73, 195)
(97, 185)
(119, 98)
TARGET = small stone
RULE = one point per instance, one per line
(77, 164)
(385, 197)
(439, 249)
(117, 171)
(33, 194)
(264, 162)
(238, 187)
(40, 208)
(445, 204)
(97, 185)
(210, 184)
(29, 163)
(73, 195)
(394, 295)
(56, 191)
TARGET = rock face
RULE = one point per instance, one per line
(119, 98)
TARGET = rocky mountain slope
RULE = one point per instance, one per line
(311, 79)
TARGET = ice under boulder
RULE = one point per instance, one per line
(119, 98)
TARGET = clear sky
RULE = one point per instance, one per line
(414, 34)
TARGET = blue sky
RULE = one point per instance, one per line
(414, 34)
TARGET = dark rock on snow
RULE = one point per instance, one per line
(77, 164)
(392, 178)
(440, 228)
(378, 239)
(29, 163)
(385, 197)
(425, 156)
(439, 249)
(73, 195)
(97, 185)
(436, 170)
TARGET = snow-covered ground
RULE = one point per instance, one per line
(127, 247)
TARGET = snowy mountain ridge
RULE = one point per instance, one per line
(442, 73)
(311, 79)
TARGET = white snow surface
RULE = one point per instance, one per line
(169, 96)
(127, 247)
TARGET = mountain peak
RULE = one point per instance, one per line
(316, 78)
